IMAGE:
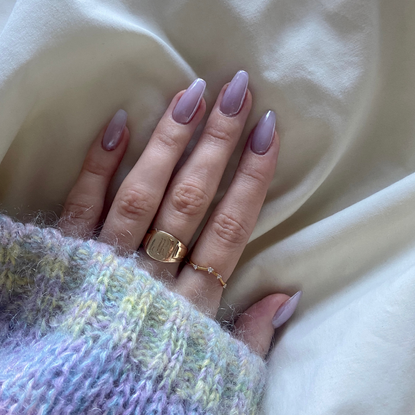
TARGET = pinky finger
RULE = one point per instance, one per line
(84, 204)
(257, 325)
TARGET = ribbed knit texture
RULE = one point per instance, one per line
(84, 331)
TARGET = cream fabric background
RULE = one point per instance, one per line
(339, 219)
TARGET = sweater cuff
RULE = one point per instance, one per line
(132, 345)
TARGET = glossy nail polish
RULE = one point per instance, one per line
(113, 133)
(264, 133)
(234, 95)
(286, 310)
(189, 102)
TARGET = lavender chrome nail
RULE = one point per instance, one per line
(189, 102)
(234, 95)
(286, 310)
(113, 133)
(264, 133)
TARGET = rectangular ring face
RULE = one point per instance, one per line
(161, 246)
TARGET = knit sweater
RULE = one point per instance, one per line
(86, 331)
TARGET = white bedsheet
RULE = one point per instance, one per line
(339, 219)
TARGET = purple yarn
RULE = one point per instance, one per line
(82, 329)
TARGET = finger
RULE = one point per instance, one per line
(257, 325)
(228, 229)
(140, 194)
(195, 185)
(84, 204)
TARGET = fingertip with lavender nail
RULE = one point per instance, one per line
(189, 102)
(263, 133)
(234, 96)
(286, 310)
(113, 133)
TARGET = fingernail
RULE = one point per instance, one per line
(189, 102)
(113, 133)
(234, 95)
(264, 133)
(286, 310)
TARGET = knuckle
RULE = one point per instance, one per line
(189, 199)
(230, 230)
(95, 167)
(215, 133)
(80, 211)
(135, 203)
(169, 140)
(253, 174)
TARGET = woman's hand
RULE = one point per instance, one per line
(146, 198)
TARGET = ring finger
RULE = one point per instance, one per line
(228, 229)
(141, 192)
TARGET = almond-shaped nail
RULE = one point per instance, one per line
(234, 95)
(286, 310)
(189, 102)
(264, 133)
(113, 133)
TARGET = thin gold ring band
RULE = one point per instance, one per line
(209, 270)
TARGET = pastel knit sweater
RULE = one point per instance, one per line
(85, 331)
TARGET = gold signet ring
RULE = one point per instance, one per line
(164, 247)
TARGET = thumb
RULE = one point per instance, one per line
(256, 326)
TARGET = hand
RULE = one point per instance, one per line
(148, 197)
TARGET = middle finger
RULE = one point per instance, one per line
(228, 229)
(195, 185)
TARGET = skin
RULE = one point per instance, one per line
(146, 198)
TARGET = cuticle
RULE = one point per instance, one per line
(240, 108)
